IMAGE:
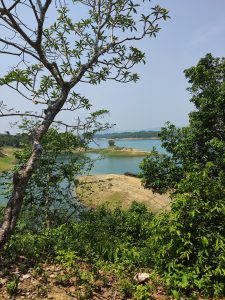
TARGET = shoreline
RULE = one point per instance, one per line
(123, 152)
(129, 139)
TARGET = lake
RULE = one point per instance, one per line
(145, 145)
(116, 165)
(120, 165)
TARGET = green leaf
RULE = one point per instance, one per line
(205, 241)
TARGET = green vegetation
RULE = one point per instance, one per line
(117, 152)
(101, 252)
(201, 142)
(111, 143)
(51, 58)
(130, 135)
(50, 199)
(96, 253)
(9, 140)
(7, 159)
(192, 235)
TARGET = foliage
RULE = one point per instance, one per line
(159, 172)
(134, 135)
(203, 140)
(192, 236)
(114, 236)
(12, 286)
(186, 246)
(9, 140)
(111, 143)
(189, 241)
(100, 247)
(50, 197)
(111, 236)
(57, 48)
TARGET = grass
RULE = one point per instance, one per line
(7, 161)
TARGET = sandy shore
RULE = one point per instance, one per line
(118, 190)
(114, 151)
(135, 139)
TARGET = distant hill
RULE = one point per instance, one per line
(130, 135)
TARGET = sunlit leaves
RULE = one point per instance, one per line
(188, 243)
(18, 76)
(203, 141)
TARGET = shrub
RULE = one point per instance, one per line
(189, 242)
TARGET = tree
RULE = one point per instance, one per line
(111, 143)
(203, 141)
(50, 198)
(188, 242)
(56, 50)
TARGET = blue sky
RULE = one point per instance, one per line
(196, 27)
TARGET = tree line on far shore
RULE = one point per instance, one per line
(16, 140)
(135, 135)
(9, 140)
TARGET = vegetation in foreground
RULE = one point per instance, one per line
(95, 257)
(98, 257)
(192, 255)
(49, 62)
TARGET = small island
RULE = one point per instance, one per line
(118, 152)
(114, 151)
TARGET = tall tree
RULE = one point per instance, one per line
(200, 143)
(188, 242)
(57, 49)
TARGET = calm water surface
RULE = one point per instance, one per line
(115, 165)
(145, 145)
(120, 165)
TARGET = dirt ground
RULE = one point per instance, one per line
(57, 283)
(119, 190)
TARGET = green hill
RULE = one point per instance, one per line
(130, 135)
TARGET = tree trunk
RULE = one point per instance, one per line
(21, 177)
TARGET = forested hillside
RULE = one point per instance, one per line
(130, 135)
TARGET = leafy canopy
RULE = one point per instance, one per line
(188, 242)
(201, 142)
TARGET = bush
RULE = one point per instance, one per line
(189, 242)
(114, 236)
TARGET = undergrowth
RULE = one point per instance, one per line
(189, 259)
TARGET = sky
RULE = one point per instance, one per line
(196, 27)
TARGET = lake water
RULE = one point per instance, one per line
(116, 165)
(120, 165)
(145, 145)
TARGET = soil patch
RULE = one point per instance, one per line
(119, 190)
